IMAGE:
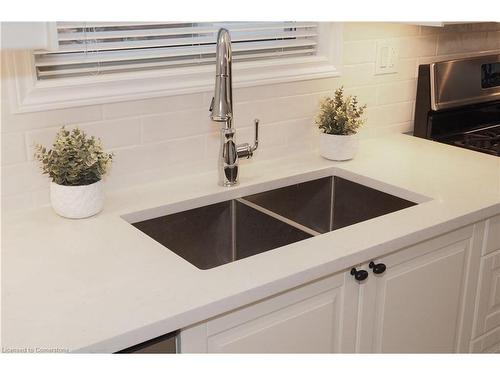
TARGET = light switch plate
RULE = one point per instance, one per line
(387, 57)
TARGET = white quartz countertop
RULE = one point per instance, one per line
(100, 285)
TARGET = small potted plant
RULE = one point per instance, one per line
(75, 164)
(338, 120)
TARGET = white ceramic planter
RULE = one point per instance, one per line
(338, 147)
(77, 202)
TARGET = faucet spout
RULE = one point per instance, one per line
(221, 110)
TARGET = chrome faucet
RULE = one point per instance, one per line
(221, 110)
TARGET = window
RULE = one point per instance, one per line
(87, 49)
(102, 62)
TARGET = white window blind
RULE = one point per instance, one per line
(94, 48)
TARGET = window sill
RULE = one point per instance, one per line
(32, 95)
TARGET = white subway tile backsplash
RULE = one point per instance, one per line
(394, 129)
(139, 158)
(367, 131)
(418, 46)
(20, 201)
(153, 156)
(366, 94)
(175, 125)
(300, 129)
(358, 75)
(364, 74)
(41, 197)
(113, 134)
(44, 137)
(212, 144)
(22, 177)
(277, 109)
(172, 136)
(378, 30)
(185, 150)
(390, 114)
(15, 122)
(154, 105)
(116, 181)
(395, 92)
(287, 89)
(358, 52)
(13, 148)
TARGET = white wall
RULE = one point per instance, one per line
(171, 136)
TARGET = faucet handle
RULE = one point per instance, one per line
(211, 104)
(244, 150)
(256, 139)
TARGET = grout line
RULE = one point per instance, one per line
(311, 94)
(20, 163)
(27, 148)
(166, 113)
(392, 104)
(404, 59)
(101, 111)
(141, 129)
(332, 203)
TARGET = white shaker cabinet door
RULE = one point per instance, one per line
(418, 304)
(313, 318)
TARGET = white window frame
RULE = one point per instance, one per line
(38, 95)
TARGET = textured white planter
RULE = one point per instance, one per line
(77, 202)
(338, 147)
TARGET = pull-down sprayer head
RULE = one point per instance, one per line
(222, 102)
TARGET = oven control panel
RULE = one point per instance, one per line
(490, 75)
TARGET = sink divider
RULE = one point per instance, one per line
(278, 217)
(332, 203)
(234, 246)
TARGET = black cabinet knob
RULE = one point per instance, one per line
(377, 268)
(359, 275)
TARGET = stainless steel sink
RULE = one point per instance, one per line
(220, 233)
(224, 232)
(329, 203)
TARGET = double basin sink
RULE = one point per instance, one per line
(224, 232)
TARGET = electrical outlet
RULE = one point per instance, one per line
(387, 57)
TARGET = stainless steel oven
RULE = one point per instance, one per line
(458, 102)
